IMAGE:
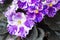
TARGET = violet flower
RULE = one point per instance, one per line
(18, 23)
(22, 24)
(35, 13)
(52, 7)
(24, 4)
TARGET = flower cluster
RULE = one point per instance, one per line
(19, 23)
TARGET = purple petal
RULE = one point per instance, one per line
(12, 29)
(34, 1)
(30, 15)
(38, 17)
(18, 15)
(51, 11)
(40, 6)
(57, 5)
(22, 32)
(10, 17)
(29, 23)
(21, 4)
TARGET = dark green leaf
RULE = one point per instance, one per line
(33, 34)
(3, 24)
(53, 23)
(42, 34)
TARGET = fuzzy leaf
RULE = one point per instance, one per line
(53, 23)
(33, 34)
(3, 24)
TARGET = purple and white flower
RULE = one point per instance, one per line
(35, 13)
(52, 7)
(19, 25)
(25, 3)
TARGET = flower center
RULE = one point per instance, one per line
(19, 22)
(36, 11)
(50, 4)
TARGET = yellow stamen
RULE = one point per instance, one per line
(19, 22)
(50, 5)
(36, 11)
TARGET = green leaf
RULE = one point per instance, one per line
(42, 34)
(33, 34)
(4, 6)
(53, 23)
(3, 24)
